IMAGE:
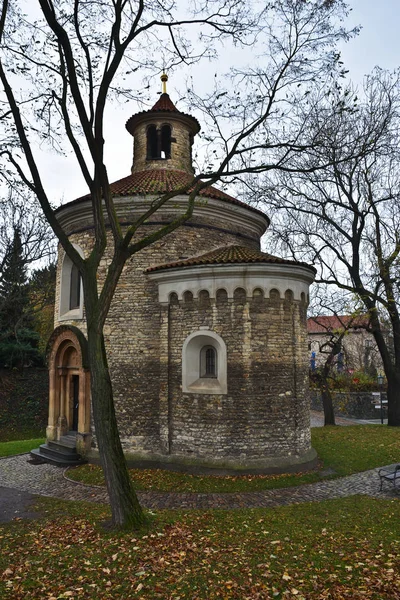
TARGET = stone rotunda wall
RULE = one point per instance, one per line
(133, 333)
(265, 412)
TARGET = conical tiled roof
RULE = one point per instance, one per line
(154, 181)
(230, 255)
(163, 105)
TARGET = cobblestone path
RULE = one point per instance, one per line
(46, 480)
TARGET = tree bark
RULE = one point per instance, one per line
(126, 510)
(327, 403)
(393, 396)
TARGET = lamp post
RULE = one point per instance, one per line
(380, 384)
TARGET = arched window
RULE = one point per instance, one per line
(71, 290)
(208, 362)
(75, 288)
(204, 364)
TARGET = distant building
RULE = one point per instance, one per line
(358, 348)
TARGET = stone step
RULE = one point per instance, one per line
(61, 446)
(56, 453)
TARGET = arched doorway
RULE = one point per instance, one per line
(69, 387)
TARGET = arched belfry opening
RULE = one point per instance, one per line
(158, 142)
(165, 141)
(152, 142)
(69, 387)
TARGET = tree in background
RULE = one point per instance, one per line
(334, 320)
(41, 291)
(345, 217)
(25, 240)
(18, 343)
(73, 57)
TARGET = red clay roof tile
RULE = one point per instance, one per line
(160, 181)
(229, 255)
(163, 104)
(329, 323)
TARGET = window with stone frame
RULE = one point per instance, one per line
(204, 363)
(71, 290)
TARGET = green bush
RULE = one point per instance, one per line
(359, 381)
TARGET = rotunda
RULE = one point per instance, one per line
(206, 335)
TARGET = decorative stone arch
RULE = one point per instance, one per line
(69, 386)
(194, 379)
(68, 278)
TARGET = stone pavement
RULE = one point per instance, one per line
(18, 473)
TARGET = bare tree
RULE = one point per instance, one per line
(345, 218)
(334, 317)
(72, 57)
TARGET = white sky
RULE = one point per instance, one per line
(377, 44)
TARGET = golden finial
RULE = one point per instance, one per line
(164, 79)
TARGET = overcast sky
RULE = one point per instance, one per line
(377, 44)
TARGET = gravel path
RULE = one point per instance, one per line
(18, 473)
(21, 480)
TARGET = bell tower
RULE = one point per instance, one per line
(163, 136)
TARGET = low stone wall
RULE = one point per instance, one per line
(356, 405)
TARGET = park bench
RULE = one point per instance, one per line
(390, 474)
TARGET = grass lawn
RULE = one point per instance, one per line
(9, 434)
(337, 549)
(346, 450)
(19, 447)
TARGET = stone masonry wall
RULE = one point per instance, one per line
(266, 410)
(180, 147)
(132, 330)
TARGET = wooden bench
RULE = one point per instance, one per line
(390, 474)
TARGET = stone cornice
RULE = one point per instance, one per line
(77, 215)
(229, 277)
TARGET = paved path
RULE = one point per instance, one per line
(18, 473)
(21, 480)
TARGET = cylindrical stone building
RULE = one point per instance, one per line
(206, 335)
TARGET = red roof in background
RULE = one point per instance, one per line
(229, 255)
(160, 181)
(326, 324)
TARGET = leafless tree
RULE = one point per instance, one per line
(345, 218)
(72, 57)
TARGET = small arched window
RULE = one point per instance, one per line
(75, 288)
(208, 362)
(71, 289)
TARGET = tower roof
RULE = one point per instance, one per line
(163, 105)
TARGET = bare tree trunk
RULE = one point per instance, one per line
(393, 396)
(126, 510)
(327, 403)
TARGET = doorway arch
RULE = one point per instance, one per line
(69, 387)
